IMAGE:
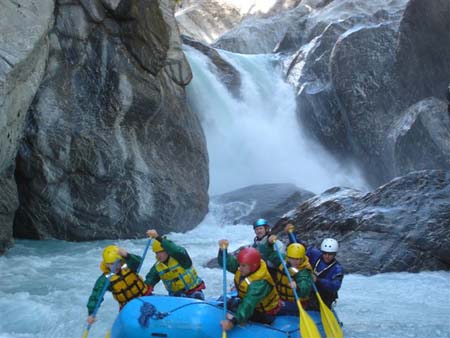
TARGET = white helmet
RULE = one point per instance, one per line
(329, 245)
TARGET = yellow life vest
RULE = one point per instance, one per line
(284, 289)
(268, 303)
(127, 285)
(176, 278)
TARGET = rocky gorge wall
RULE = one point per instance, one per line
(371, 80)
(95, 122)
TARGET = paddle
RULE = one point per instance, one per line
(108, 333)
(224, 269)
(100, 298)
(329, 321)
(308, 328)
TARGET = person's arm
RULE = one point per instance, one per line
(133, 261)
(95, 295)
(152, 277)
(176, 251)
(232, 263)
(303, 280)
(271, 254)
(334, 281)
(257, 290)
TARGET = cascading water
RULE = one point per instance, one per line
(256, 139)
(45, 285)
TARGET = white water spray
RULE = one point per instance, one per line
(257, 139)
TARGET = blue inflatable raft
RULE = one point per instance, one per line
(177, 317)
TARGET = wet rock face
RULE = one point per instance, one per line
(111, 148)
(268, 201)
(24, 26)
(364, 76)
(401, 226)
(228, 75)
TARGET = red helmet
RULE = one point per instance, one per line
(251, 257)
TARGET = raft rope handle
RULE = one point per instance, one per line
(148, 311)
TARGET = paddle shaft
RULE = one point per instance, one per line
(224, 269)
(144, 254)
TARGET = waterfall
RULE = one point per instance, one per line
(256, 138)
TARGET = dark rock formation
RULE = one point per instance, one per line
(363, 81)
(8, 205)
(402, 226)
(110, 147)
(269, 201)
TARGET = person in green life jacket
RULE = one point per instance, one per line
(174, 268)
(259, 300)
(301, 275)
(125, 282)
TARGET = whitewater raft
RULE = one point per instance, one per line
(176, 317)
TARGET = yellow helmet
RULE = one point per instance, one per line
(296, 251)
(111, 254)
(156, 246)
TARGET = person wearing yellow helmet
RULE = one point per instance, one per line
(124, 283)
(328, 273)
(300, 272)
(174, 268)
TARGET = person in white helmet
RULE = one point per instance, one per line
(328, 273)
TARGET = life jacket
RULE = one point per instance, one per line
(176, 278)
(284, 289)
(270, 303)
(322, 270)
(127, 285)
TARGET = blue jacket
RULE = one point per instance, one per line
(329, 276)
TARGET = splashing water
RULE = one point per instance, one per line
(45, 286)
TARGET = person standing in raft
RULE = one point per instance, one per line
(125, 282)
(259, 300)
(174, 267)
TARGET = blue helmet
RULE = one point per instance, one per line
(260, 223)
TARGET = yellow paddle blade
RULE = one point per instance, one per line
(329, 321)
(85, 333)
(108, 334)
(308, 328)
(224, 334)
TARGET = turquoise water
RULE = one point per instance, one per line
(45, 286)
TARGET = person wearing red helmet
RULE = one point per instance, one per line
(259, 300)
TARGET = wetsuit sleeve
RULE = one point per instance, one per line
(96, 294)
(152, 277)
(177, 252)
(232, 263)
(272, 255)
(256, 292)
(133, 261)
(303, 280)
(334, 281)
